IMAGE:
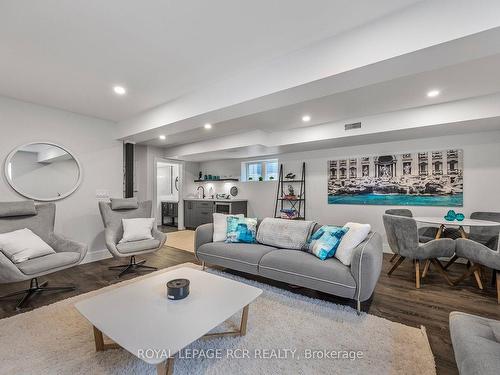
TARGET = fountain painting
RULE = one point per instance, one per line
(431, 178)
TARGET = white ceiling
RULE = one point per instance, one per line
(466, 80)
(69, 54)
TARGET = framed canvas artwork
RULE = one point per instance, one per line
(430, 178)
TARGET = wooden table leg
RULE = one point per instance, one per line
(463, 233)
(426, 268)
(477, 275)
(241, 332)
(498, 285)
(244, 321)
(417, 273)
(166, 367)
(100, 345)
(99, 340)
(440, 232)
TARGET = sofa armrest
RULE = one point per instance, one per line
(203, 234)
(366, 265)
(160, 236)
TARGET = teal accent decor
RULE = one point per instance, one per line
(450, 215)
(325, 241)
(241, 229)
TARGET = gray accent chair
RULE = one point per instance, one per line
(425, 234)
(403, 239)
(298, 267)
(41, 222)
(476, 343)
(487, 236)
(478, 255)
(113, 232)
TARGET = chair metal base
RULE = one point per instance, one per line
(132, 266)
(35, 288)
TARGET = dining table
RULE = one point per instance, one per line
(443, 223)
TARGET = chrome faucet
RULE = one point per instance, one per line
(203, 189)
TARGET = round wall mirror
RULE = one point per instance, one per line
(43, 171)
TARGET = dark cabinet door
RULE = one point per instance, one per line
(197, 213)
(188, 214)
(204, 211)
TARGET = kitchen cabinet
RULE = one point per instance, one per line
(198, 212)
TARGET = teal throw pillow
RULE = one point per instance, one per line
(241, 229)
(325, 241)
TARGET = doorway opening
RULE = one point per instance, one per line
(168, 188)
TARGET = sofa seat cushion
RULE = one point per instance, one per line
(135, 246)
(48, 263)
(239, 256)
(476, 343)
(301, 268)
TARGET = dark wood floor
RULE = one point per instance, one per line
(395, 298)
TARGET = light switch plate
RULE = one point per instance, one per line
(102, 194)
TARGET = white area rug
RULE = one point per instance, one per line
(56, 340)
(183, 239)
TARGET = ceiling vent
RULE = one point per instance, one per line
(354, 125)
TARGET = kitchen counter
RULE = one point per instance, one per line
(216, 200)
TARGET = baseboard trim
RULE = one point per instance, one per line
(94, 256)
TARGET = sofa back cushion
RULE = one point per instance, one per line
(285, 234)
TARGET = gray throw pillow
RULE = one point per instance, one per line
(124, 203)
(20, 208)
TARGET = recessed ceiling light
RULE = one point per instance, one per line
(207, 126)
(162, 137)
(120, 90)
(306, 118)
(433, 93)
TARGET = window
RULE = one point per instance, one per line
(257, 169)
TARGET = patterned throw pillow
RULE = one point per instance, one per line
(324, 242)
(241, 229)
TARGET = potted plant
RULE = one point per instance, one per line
(261, 178)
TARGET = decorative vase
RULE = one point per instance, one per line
(450, 216)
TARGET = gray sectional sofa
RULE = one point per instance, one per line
(297, 267)
(476, 343)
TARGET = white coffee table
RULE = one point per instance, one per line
(138, 316)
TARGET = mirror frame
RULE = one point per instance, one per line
(29, 196)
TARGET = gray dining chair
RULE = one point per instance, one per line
(40, 220)
(487, 236)
(425, 234)
(403, 239)
(478, 255)
(113, 231)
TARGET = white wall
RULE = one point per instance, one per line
(145, 163)
(89, 139)
(481, 178)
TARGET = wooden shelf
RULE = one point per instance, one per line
(220, 179)
(297, 202)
